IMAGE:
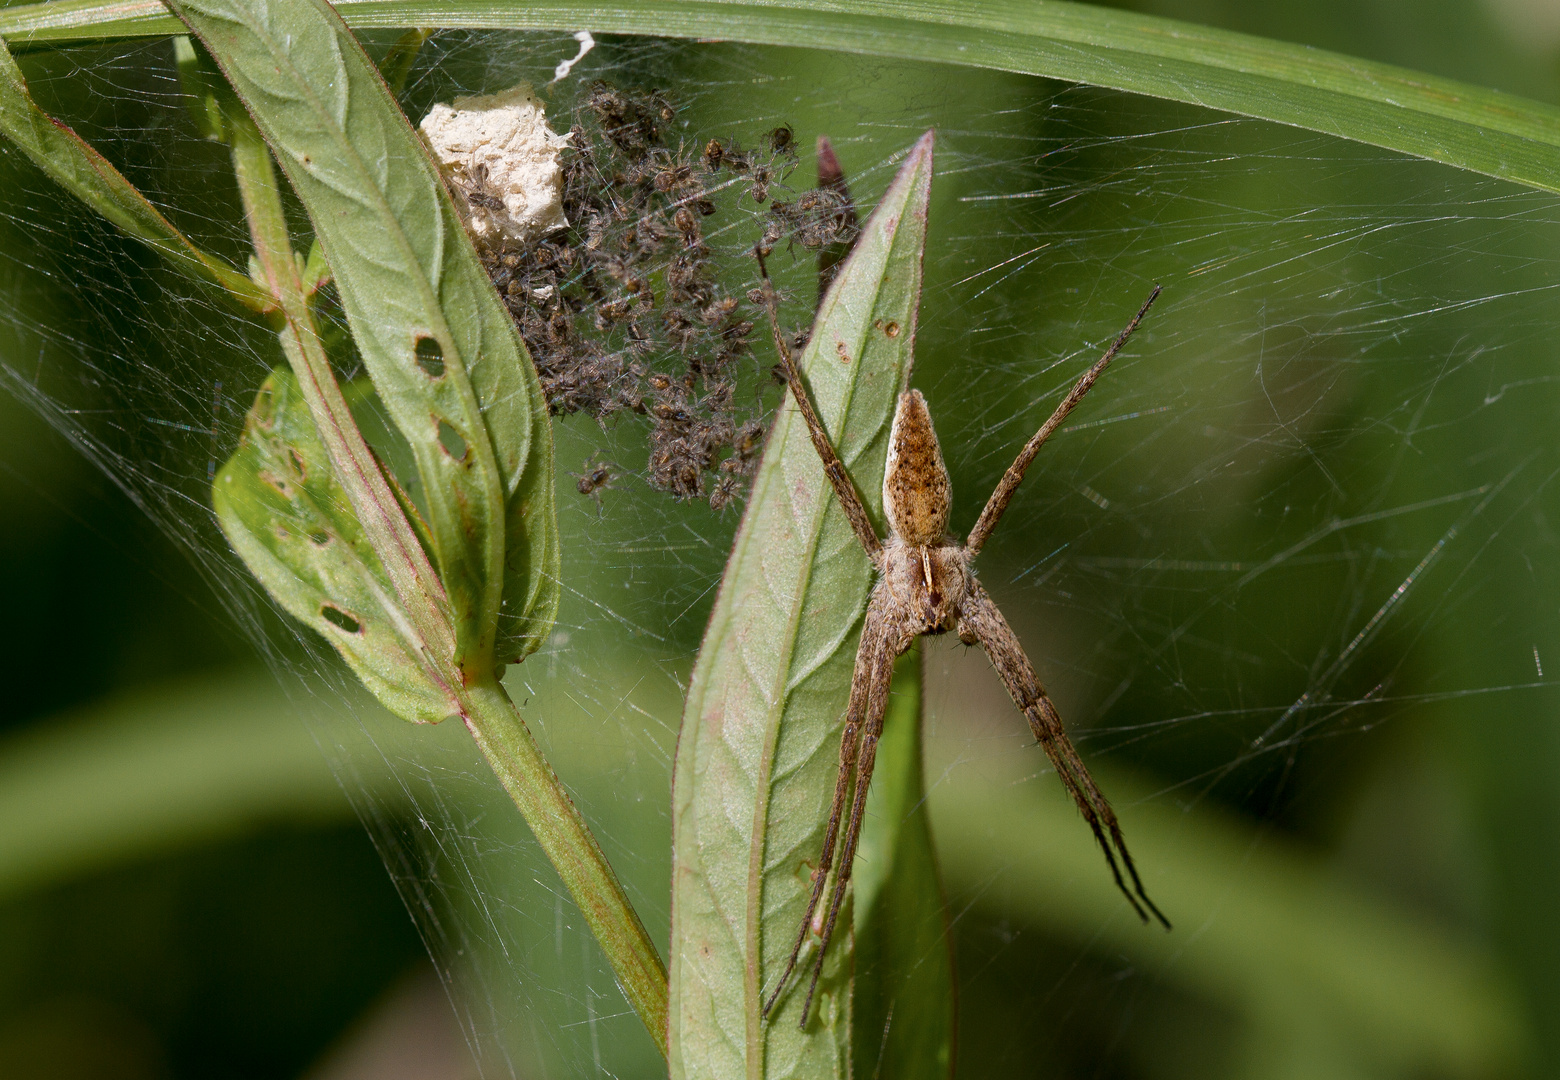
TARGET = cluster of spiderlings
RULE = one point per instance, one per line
(819, 218)
(623, 311)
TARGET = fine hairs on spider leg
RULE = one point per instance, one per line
(925, 585)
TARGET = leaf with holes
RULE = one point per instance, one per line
(441, 349)
(758, 753)
(283, 510)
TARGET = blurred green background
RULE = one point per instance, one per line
(1297, 592)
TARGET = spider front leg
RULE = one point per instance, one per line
(981, 621)
(833, 467)
(868, 701)
(1015, 474)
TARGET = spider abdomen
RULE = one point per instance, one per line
(916, 492)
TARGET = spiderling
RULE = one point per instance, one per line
(624, 309)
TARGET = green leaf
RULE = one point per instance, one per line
(441, 349)
(903, 1008)
(758, 753)
(1498, 134)
(292, 523)
(86, 174)
(423, 608)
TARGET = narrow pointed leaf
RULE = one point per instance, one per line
(441, 350)
(903, 1007)
(290, 520)
(70, 162)
(1457, 123)
(758, 753)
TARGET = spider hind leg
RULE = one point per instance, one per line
(882, 674)
(865, 696)
(1092, 804)
(980, 620)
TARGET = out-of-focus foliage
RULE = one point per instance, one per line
(1373, 900)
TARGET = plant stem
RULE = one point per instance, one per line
(417, 586)
(481, 703)
(556, 822)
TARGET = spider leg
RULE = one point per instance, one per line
(833, 467)
(980, 620)
(861, 685)
(1015, 474)
(877, 706)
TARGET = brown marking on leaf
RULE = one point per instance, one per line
(280, 485)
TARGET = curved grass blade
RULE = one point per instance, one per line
(1282, 939)
(903, 1008)
(442, 352)
(1456, 123)
(86, 174)
(758, 752)
(292, 523)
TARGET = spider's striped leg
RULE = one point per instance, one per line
(872, 641)
(980, 620)
(833, 468)
(891, 644)
(1015, 474)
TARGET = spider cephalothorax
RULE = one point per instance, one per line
(926, 586)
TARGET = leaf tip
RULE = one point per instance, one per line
(920, 156)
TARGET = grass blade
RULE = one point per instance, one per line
(1497, 134)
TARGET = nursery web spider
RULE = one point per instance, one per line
(925, 585)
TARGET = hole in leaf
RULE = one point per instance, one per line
(264, 411)
(279, 484)
(338, 618)
(430, 357)
(451, 440)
